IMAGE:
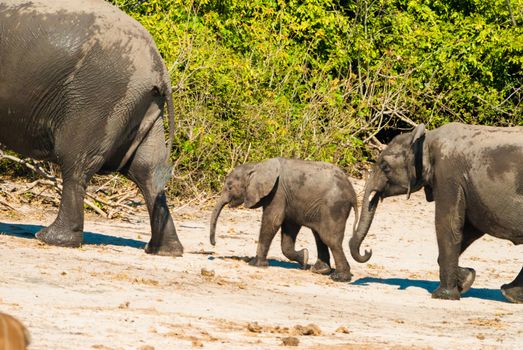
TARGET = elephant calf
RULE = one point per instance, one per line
(294, 193)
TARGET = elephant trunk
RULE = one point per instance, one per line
(224, 199)
(367, 214)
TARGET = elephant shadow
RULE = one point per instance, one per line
(272, 262)
(29, 231)
(430, 286)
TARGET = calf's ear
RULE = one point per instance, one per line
(415, 158)
(261, 181)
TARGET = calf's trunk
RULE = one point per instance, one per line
(222, 201)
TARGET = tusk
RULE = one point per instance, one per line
(373, 195)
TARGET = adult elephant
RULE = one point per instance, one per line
(83, 85)
(475, 176)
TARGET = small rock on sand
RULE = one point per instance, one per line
(290, 341)
(310, 329)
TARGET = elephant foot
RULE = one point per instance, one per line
(53, 235)
(466, 277)
(341, 276)
(174, 248)
(513, 293)
(321, 268)
(259, 262)
(303, 258)
(446, 294)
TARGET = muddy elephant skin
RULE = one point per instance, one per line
(474, 174)
(294, 193)
(83, 85)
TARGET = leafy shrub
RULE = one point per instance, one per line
(327, 79)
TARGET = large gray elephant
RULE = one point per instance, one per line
(83, 85)
(475, 176)
(294, 193)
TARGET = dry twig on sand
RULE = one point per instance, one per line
(107, 207)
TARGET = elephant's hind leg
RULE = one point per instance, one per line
(514, 290)
(333, 238)
(289, 231)
(149, 169)
(342, 272)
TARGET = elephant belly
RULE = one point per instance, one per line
(31, 141)
(495, 199)
(506, 224)
(321, 216)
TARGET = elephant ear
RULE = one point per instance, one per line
(261, 181)
(415, 158)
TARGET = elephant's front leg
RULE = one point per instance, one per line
(466, 275)
(67, 229)
(450, 219)
(289, 231)
(272, 219)
(448, 266)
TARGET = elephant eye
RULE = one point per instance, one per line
(385, 167)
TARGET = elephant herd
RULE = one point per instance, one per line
(83, 85)
(474, 174)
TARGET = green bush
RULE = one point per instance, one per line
(327, 79)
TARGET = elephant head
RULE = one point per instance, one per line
(398, 170)
(247, 184)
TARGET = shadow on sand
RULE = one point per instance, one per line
(29, 231)
(429, 286)
(272, 262)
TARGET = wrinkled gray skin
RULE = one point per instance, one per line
(475, 176)
(83, 85)
(294, 193)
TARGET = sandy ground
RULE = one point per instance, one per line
(109, 294)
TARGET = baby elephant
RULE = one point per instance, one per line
(294, 193)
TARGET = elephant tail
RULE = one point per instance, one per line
(356, 214)
(170, 116)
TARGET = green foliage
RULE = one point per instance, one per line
(327, 79)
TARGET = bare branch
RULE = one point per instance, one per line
(103, 207)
